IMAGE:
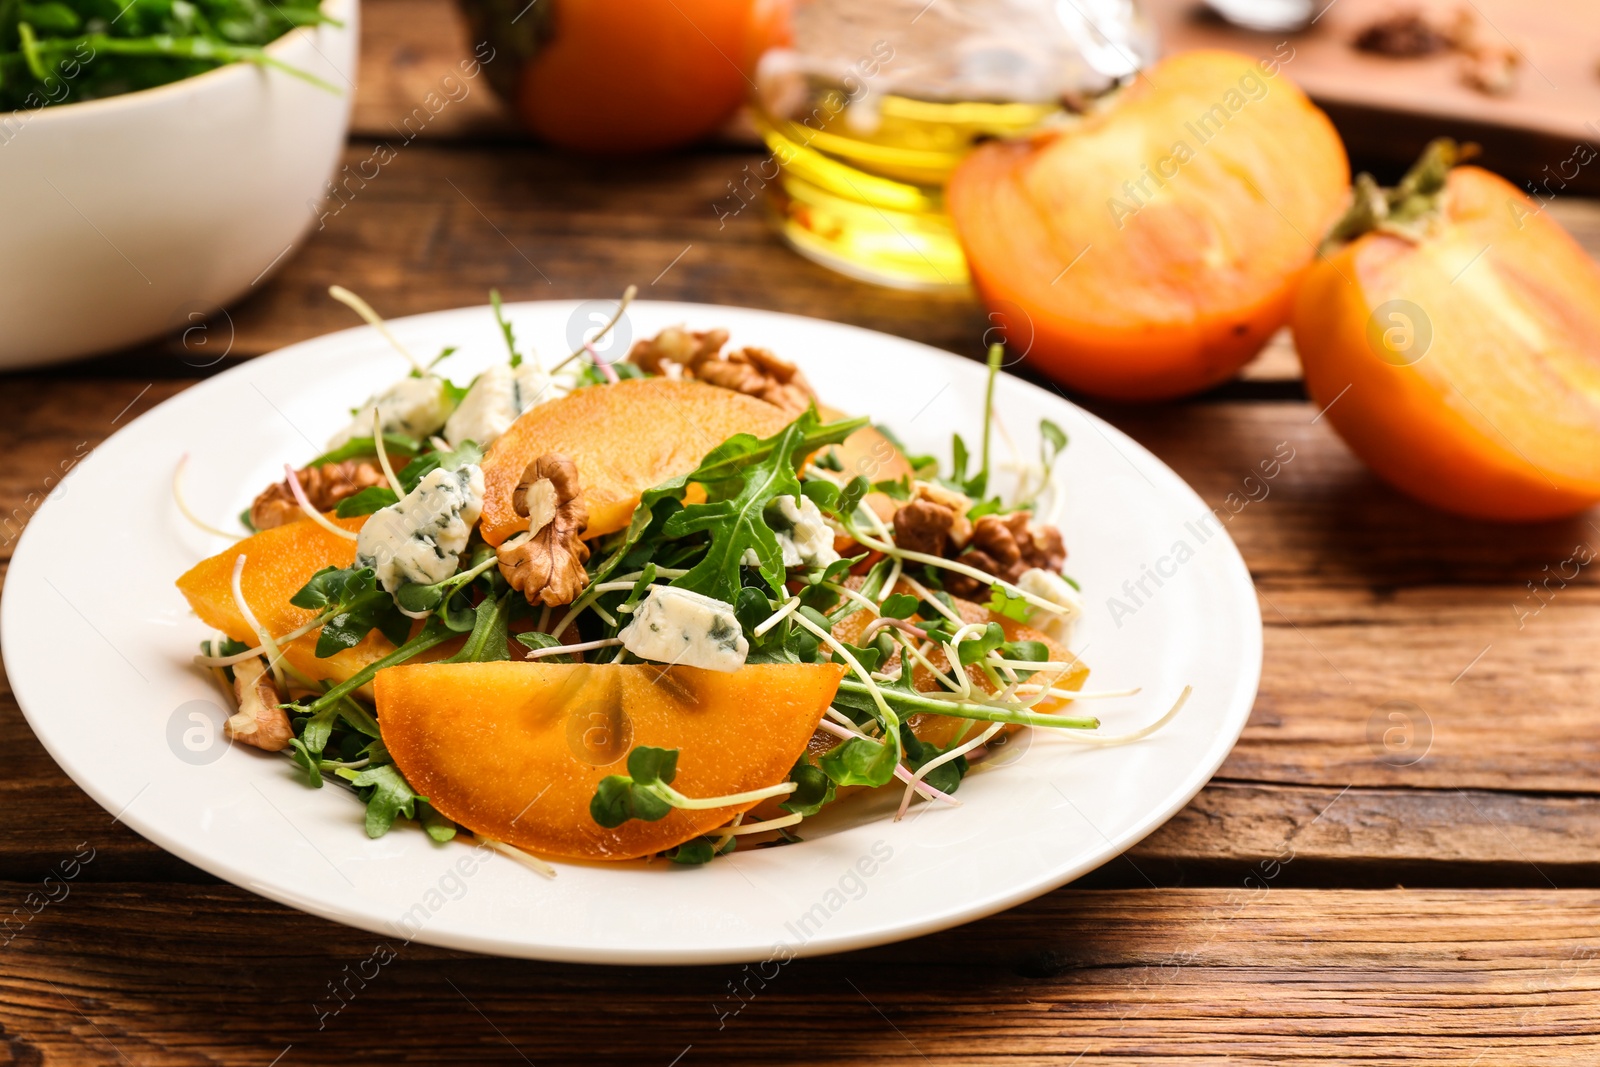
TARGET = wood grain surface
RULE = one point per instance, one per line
(1351, 888)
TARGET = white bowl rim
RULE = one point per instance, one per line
(189, 84)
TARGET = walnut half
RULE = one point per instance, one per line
(259, 721)
(754, 372)
(325, 486)
(1006, 546)
(546, 564)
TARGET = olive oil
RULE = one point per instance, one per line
(860, 184)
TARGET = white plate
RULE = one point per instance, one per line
(97, 644)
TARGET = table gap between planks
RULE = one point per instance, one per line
(1324, 898)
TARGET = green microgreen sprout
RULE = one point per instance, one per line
(646, 792)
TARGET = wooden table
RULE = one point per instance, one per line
(1334, 895)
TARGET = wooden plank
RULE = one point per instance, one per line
(412, 53)
(438, 228)
(1379, 101)
(176, 975)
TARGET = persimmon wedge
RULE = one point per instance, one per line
(277, 563)
(1463, 363)
(1151, 250)
(515, 751)
(624, 439)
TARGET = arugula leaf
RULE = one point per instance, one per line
(308, 763)
(722, 471)
(505, 328)
(736, 524)
(537, 639)
(356, 604)
(413, 473)
(438, 827)
(897, 489)
(360, 447)
(387, 793)
(372, 498)
(487, 642)
(1052, 442)
(432, 634)
(855, 490)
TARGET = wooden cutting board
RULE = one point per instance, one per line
(1388, 106)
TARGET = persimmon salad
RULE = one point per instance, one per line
(665, 605)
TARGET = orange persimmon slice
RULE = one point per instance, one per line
(278, 562)
(624, 439)
(1464, 366)
(515, 751)
(1151, 249)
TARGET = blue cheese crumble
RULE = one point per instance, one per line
(499, 395)
(1047, 585)
(415, 407)
(804, 536)
(420, 538)
(680, 627)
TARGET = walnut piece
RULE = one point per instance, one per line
(1006, 546)
(325, 486)
(259, 721)
(958, 503)
(676, 345)
(546, 565)
(754, 372)
(1403, 35)
(923, 526)
(757, 372)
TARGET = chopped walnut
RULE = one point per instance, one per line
(676, 345)
(259, 721)
(546, 565)
(958, 503)
(757, 372)
(325, 486)
(1492, 71)
(1006, 546)
(922, 526)
(1403, 35)
(752, 371)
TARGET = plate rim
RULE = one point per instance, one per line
(1234, 717)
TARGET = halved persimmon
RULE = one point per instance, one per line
(515, 751)
(1151, 250)
(624, 438)
(278, 562)
(1461, 361)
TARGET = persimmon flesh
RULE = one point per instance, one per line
(515, 751)
(624, 439)
(1152, 249)
(1464, 367)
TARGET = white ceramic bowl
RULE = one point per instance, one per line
(138, 215)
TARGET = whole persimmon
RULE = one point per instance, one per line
(1454, 340)
(1152, 248)
(619, 77)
